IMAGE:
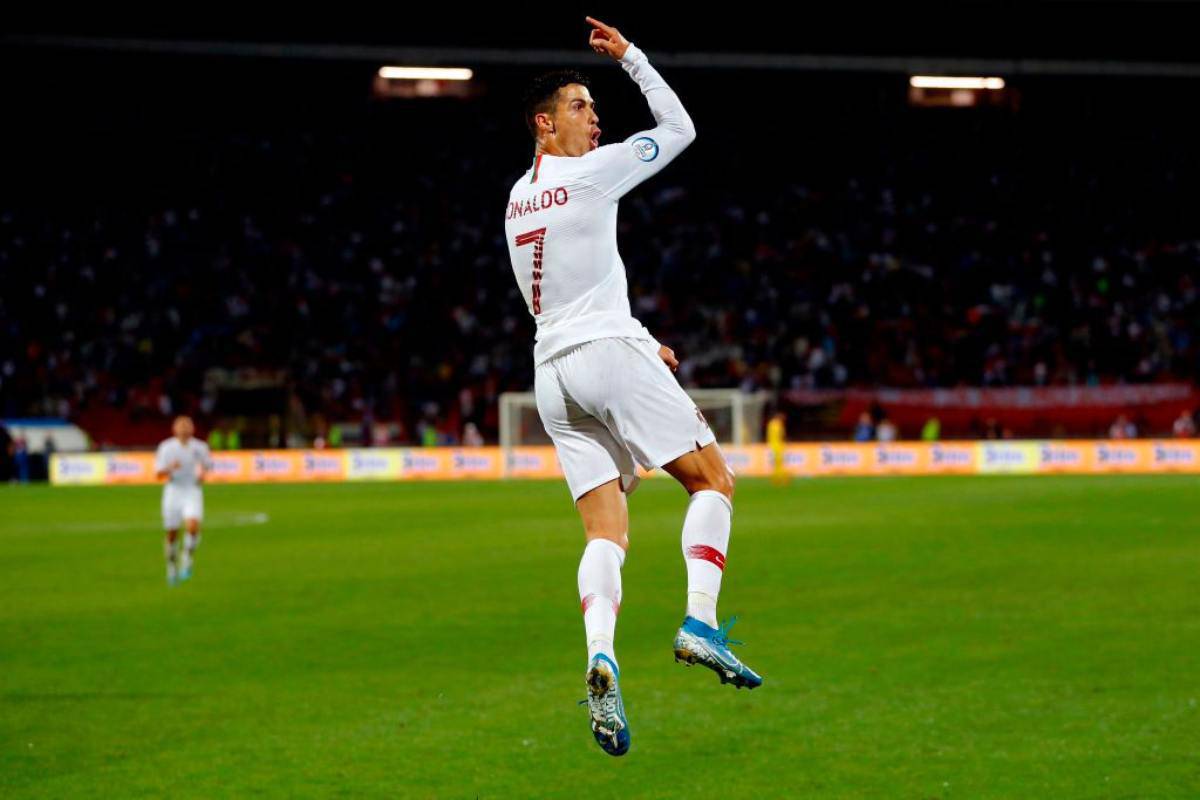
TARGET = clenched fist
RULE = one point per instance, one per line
(668, 357)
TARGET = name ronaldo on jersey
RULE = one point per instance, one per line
(547, 198)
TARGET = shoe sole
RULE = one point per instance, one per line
(599, 682)
(688, 658)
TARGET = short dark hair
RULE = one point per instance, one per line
(540, 96)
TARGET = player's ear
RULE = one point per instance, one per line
(544, 122)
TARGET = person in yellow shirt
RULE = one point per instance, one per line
(776, 439)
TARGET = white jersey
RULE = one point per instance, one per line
(191, 457)
(561, 224)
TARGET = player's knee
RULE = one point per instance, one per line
(720, 482)
(621, 539)
(723, 483)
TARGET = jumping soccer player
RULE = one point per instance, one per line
(604, 387)
(182, 461)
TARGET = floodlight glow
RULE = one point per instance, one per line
(426, 73)
(947, 82)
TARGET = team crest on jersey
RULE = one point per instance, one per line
(645, 148)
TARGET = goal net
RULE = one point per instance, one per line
(735, 417)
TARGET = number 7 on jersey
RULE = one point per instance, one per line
(538, 239)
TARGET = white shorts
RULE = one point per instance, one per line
(180, 503)
(610, 403)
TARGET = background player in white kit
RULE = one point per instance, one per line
(604, 387)
(183, 461)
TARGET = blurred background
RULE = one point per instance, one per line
(982, 293)
(256, 228)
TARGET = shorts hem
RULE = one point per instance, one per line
(577, 493)
(658, 463)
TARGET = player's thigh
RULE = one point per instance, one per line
(193, 505)
(650, 412)
(587, 452)
(605, 514)
(172, 509)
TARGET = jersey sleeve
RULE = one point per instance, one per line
(160, 458)
(615, 169)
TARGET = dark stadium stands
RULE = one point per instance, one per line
(845, 241)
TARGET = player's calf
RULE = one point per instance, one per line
(171, 554)
(190, 542)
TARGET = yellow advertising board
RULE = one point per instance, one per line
(816, 459)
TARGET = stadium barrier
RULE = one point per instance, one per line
(1086, 457)
(1025, 409)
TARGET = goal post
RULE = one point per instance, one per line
(735, 416)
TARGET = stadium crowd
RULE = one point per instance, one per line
(380, 287)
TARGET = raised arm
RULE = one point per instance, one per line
(617, 168)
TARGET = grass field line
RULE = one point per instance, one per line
(968, 637)
(226, 519)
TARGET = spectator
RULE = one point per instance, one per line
(471, 436)
(1184, 426)
(21, 459)
(864, 430)
(6, 454)
(1122, 428)
(428, 434)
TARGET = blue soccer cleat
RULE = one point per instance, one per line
(698, 643)
(185, 573)
(609, 725)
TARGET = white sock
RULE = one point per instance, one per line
(705, 542)
(600, 594)
(190, 542)
(170, 553)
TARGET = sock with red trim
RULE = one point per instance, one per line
(705, 542)
(600, 594)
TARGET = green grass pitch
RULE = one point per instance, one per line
(919, 638)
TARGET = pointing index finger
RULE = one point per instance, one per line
(598, 24)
